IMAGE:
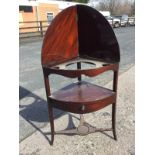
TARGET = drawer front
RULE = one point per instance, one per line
(82, 108)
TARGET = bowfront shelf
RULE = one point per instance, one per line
(82, 97)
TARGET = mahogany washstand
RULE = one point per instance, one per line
(80, 34)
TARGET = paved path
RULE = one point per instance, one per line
(33, 110)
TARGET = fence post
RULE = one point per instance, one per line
(128, 23)
(41, 29)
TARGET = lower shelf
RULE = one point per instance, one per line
(82, 97)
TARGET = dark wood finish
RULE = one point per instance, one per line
(70, 40)
(47, 85)
(82, 97)
(79, 67)
(114, 120)
(79, 38)
(115, 80)
(77, 73)
(51, 119)
(61, 39)
(96, 37)
(50, 106)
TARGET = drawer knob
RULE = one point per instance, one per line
(83, 107)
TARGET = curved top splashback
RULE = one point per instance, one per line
(79, 31)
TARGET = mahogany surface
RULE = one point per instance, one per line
(76, 73)
(79, 31)
(80, 34)
(61, 39)
(72, 97)
(96, 37)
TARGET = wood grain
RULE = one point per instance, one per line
(61, 40)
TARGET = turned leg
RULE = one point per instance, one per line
(114, 120)
(51, 119)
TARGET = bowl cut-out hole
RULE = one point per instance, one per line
(84, 65)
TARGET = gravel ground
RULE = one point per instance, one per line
(96, 143)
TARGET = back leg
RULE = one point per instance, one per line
(51, 119)
(114, 120)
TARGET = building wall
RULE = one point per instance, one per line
(39, 13)
(27, 17)
(43, 9)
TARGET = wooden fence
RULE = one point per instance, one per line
(32, 29)
(38, 28)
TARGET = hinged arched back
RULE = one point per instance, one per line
(79, 31)
(61, 39)
(96, 36)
